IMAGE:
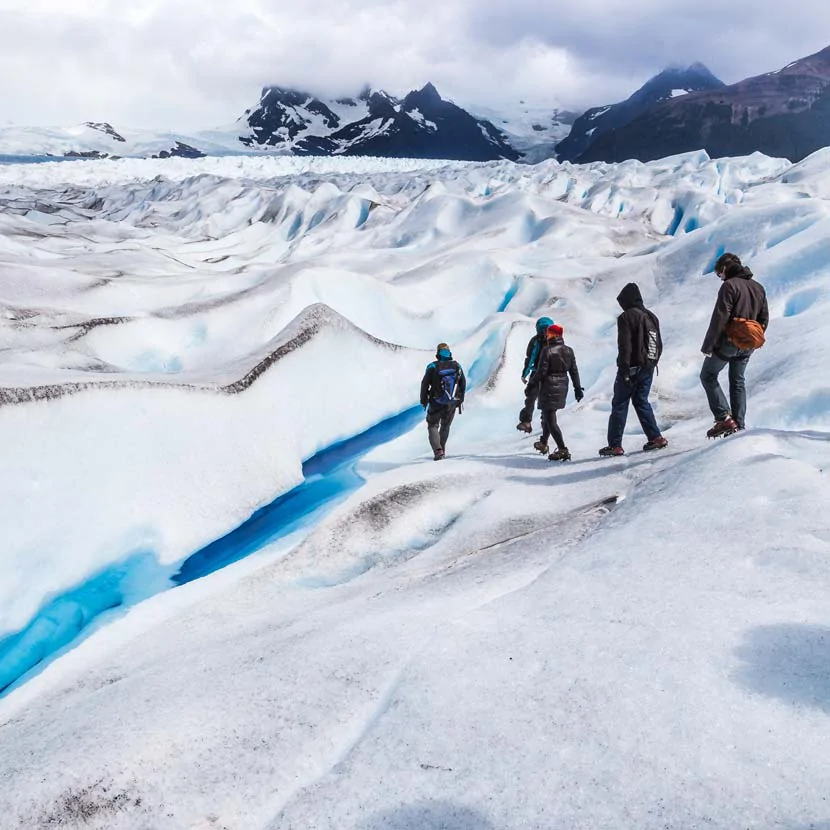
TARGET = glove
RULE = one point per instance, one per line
(524, 381)
(424, 406)
(461, 407)
(708, 354)
(579, 393)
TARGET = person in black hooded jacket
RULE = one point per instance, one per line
(743, 297)
(556, 363)
(639, 346)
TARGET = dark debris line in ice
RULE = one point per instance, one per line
(329, 476)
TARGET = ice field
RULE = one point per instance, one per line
(237, 593)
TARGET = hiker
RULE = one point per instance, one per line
(639, 346)
(556, 362)
(737, 327)
(534, 350)
(442, 394)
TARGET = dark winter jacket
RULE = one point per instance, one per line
(431, 389)
(555, 364)
(739, 296)
(631, 329)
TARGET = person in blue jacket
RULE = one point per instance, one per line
(534, 351)
(442, 395)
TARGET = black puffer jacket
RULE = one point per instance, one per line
(739, 296)
(556, 362)
(631, 328)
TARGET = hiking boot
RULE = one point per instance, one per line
(524, 426)
(438, 455)
(657, 443)
(725, 426)
(562, 454)
(541, 447)
(607, 452)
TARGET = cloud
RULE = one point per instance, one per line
(188, 63)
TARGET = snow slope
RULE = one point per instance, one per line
(100, 139)
(532, 129)
(260, 604)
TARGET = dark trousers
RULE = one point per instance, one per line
(550, 427)
(633, 389)
(531, 393)
(736, 359)
(439, 420)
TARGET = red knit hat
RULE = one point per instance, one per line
(555, 331)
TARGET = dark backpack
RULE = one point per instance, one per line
(650, 347)
(447, 383)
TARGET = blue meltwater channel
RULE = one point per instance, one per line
(329, 475)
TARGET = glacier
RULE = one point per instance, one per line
(235, 590)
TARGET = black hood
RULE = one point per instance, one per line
(630, 296)
(739, 272)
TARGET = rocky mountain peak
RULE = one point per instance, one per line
(785, 114)
(664, 86)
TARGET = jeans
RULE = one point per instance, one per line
(633, 389)
(712, 366)
(439, 420)
(531, 393)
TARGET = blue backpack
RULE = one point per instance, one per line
(447, 380)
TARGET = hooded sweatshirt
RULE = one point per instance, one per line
(739, 296)
(632, 331)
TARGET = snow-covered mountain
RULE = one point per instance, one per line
(531, 129)
(782, 113)
(286, 116)
(668, 85)
(286, 121)
(101, 140)
(420, 125)
(236, 593)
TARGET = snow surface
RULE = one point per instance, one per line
(236, 592)
(86, 138)
(532, 129)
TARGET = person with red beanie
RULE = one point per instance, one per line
(556, 363)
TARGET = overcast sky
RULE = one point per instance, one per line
(200, 63)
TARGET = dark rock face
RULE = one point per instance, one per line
(180, 150)
(784, 114)
(85, 154)
(107, 129)
(422, 125)
(597, 121)
(282, 114)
